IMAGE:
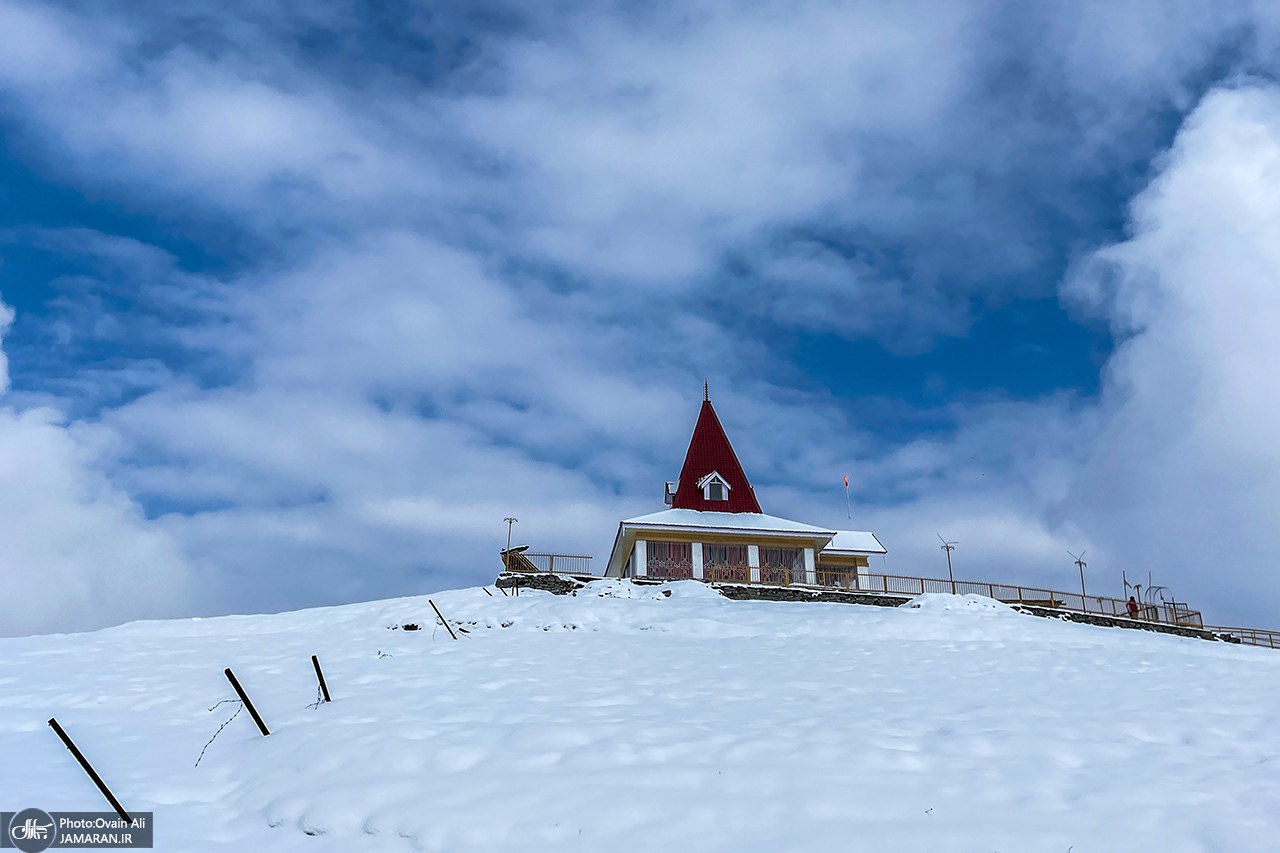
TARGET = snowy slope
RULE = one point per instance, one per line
(623, 719)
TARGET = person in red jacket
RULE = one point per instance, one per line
(1133, 608)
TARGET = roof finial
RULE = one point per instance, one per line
(706, 390)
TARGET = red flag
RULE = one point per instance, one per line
(846, 481)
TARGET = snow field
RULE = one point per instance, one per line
(623, 719)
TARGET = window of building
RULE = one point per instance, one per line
(722, 562)
(781, 565)
(837, 575)
(669, 560)
(714, 487)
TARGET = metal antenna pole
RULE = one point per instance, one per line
(949, 547)
(1080, 563)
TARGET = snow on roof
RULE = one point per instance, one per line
(733, 520)
(856, 540)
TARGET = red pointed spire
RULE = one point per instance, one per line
(710, 452)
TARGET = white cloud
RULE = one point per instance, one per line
(492, 297)
(1185, 480)
(6, 320)
(77, 552)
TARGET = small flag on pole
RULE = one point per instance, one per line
(846, 481)
(848, 509)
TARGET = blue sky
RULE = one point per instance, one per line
(306, 301)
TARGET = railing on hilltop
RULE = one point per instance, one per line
(1251, 636)
(1168, 613)
(844, 578)
(564, 564)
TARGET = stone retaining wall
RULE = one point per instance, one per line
(744, 592)
(1121, 622)
(555, 584)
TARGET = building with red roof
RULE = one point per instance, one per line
(715, 529)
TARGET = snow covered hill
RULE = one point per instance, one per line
(630, 719)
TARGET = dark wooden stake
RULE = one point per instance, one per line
(486, 591)
(244, 697)
(442, 619)
(324, 688)
(88, 768)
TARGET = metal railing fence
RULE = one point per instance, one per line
(668, 569)
(567, 564)
(1251, 636)
(846, 578)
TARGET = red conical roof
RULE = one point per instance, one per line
(710, 450)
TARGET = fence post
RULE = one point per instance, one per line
(442, 619)
(88, 768)
(324, 688)
(244, 697)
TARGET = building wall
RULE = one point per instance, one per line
(803, 572)
(818, 567)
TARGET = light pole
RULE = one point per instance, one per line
(510, 521)
(506, 555)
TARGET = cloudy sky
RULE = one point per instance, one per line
(299, 300)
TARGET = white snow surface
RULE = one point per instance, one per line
(725, 521)
(627, 719)
(968, 603)
(858, 541)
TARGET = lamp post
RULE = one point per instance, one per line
(510, 521)
(506, 555)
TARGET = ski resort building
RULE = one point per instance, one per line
(715, 530)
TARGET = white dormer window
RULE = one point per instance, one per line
(714, 487)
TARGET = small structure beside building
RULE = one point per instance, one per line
(715, 529)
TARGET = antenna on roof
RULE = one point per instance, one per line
(949, 547)
(1080, 564)
(706, 390)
